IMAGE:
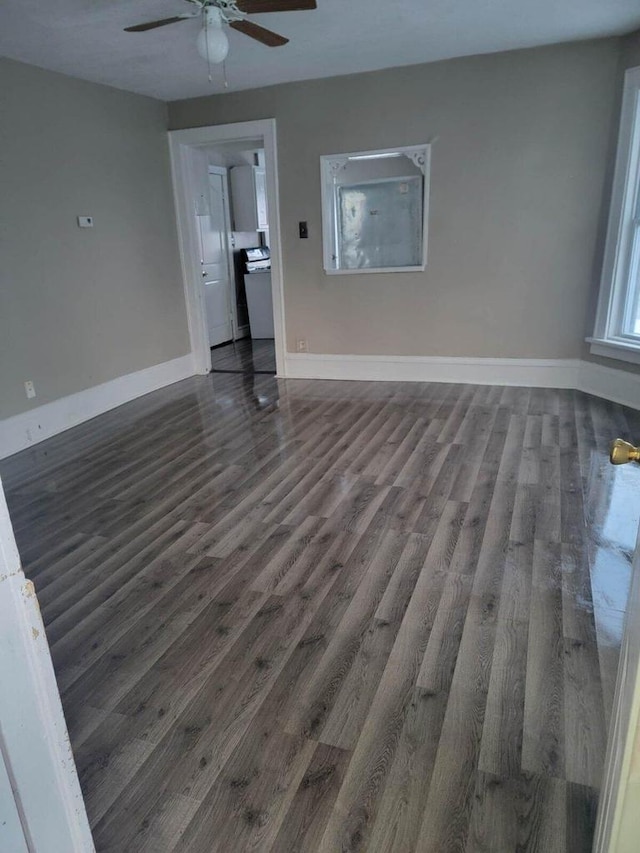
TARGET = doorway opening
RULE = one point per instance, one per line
(245, 355)
(226, 191)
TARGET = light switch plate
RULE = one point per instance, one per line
(85, 221)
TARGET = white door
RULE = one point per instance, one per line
(12, 837)
(41, 806)
(261, 199)
(618, 826)
(213, 231)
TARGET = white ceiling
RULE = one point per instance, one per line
(85, 38)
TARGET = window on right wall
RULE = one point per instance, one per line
(617, 328)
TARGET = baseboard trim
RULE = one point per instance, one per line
(532, 372)
(619, 386)
(36, 425)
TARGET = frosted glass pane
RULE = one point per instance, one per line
(380, 224)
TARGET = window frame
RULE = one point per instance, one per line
(422, 153)
(609, 337)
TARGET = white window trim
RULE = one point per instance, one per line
(614, 349)
(420, 151)
(607, 340)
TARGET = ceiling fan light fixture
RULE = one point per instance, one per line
(212, 43)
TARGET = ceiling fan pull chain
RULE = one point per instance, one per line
(224, 74)
(206, 41)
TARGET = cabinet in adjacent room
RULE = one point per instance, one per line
(249, 198)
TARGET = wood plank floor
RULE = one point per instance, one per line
(323, 616)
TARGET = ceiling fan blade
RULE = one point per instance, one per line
(256, 7)
(152, 25)
(260, 34)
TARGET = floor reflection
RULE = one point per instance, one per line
(246, 355)
(612, 496)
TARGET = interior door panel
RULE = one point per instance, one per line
(212, 228)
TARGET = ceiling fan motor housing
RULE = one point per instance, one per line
(212, 43)
(227, 9)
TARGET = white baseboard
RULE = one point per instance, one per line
(619, 386)
(531, 372)
(29, 428)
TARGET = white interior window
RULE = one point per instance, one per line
(617, 329)
(375, 210)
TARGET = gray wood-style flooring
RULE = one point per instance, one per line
(324, 616)
(246, 355)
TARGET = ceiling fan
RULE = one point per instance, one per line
(212, 42)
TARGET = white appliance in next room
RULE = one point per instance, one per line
(257, 284)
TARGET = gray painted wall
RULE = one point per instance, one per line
(630, 50)
(80, 307)
(519, 172)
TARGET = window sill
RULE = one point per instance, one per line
(365, 270)
(621, 351)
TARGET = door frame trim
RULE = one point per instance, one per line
(34, 741)
(620, 788)
(180, 143)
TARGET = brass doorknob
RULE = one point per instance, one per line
(622, 452)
